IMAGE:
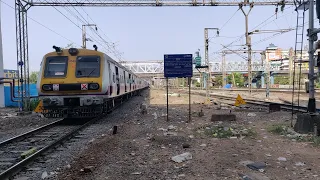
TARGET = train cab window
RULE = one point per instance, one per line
(56, 66)
(88, 66)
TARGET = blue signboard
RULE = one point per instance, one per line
(178, 65)
(10, 74)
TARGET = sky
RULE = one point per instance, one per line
(147, 33)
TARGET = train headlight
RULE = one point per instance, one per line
(47, 87)
(73, 51)
(93, 86)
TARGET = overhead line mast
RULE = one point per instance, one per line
(157, 3)
(22, 6)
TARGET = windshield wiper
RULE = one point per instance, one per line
(90, 72)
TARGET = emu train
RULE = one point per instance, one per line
(83, 83)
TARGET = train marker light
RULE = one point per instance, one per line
(73, 51)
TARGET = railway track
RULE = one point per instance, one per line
(17, 152)
(284, 106)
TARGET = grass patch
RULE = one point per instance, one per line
(286, 131)
(226, 132)
(278, 129)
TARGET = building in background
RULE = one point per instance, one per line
(10, 75)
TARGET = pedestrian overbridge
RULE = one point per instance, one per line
(156, 67)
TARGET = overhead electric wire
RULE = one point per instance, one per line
(263, 22)
(79, 27)
(97, 34)
(40, 24)
(272, 36)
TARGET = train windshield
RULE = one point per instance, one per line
(88, 66)
(56, 66)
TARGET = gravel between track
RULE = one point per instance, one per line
(140, 150)
(12, 125)
(62, 157)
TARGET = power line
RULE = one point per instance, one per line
(272, 36)
(263, 22)
(40, 24)
(229, 19)
(84, 21)
(258, 26)
(78, 26)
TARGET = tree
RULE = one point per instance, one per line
(238, 78)
(218, 81)
(283, 80)
(33, 77)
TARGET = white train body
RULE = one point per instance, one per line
(83, 83)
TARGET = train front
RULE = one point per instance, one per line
(71, 83)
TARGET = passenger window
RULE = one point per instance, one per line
(56, 66)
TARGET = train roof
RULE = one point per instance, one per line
(90, 52)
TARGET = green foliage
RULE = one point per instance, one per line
(283, 80)
(238, 77)
(33, 77)
(218, 81)
(227, 132)
(34, 103)
(198, 84)
(278, 129)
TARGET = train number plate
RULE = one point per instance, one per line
(84, 86)
(55, 87)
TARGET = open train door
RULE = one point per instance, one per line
(125, 82)
(117, 81)
(130, 81)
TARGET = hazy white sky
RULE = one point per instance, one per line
(146, 33)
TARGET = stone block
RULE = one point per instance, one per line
(274, 107)
(223, 117)
(305, 122)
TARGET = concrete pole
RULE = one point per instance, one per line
(84, 37)
(267, 73)
(312, 38)
(290, 66)
(224, 74)
(2, 104)
(206, 77)
(248, 43)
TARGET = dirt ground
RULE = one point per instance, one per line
(145, 144)
(12, 125)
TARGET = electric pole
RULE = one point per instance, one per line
(2, 104)
(248, 43)
(206, 52)
(224, 71)
(312, 34)
(84, 38)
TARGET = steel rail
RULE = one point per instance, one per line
(11, 171)
(18, 166)
(29, 133)
(284, 106)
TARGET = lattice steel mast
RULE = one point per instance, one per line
(22, 6)
(301, 7)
